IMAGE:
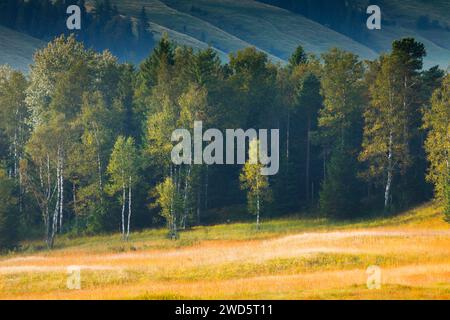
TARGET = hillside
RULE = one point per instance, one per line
(230, 25)
(293, 258)
(16, 49)
(404, 15)
(427, 21)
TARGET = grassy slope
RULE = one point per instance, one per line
(230, 25)
(289, 258)
(180, 23)
(275, 30)
(405, 14)
(183, 39)
(16, 49)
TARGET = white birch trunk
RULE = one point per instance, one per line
(61, 186)
(257, 201)
(387, 193)
(123, 210)
(129, 209)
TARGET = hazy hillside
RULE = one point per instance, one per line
(426, 20)
(230, 25)
(272, 29)
(16, 49)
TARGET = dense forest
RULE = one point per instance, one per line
(85, 141)
(103, 26)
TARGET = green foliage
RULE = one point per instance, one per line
(162, 55)
(170, 202)
(392, 119)
(9, 215)
(340, 136)
(437, 145)
(298, 57)
(256, 184)
(77, 127)
(339, 196)
(123, 166)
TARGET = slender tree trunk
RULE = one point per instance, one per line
(15, 154)
(54, 220)
(47, 226)
(75, 209)
(185, 206)
(123, 210)
(257, 201)
(308, 158)
(387, 193)
(58, 193)
(198, 207)
(206, 187)
(129, 209)
(99, 161)
(61, 203)
(288, 129)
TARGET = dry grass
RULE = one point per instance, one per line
(287, 259)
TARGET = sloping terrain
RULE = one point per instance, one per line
(403, 16)
(272, 29)
(287, 259)
(230, 25)
(16, 49)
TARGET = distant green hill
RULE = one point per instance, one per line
(426, 20)
(269, 28)
(230, 25)
(16, 49)
(404, 16)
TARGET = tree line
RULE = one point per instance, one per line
(85, 141)
(102, 27)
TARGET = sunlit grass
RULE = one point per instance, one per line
(290, 258)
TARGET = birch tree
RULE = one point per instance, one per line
(437, 144)
(193, 107)
(385, 145)
(256, 184)
(43, 174)
(123, 170)
(14, 116)
(170, 202)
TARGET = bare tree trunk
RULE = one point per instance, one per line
(129, 209)
(308, 158)
(99, 168)
(61, 185)
(387, 193)
(15, 154)
(99, 161)
(58, 193)
(198, 206)
(123, 210)
(206, 187)
(257, 201)
(185, 206)
(54, 220)
(74, 199)
(288, 129)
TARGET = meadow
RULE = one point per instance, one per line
(290, 258)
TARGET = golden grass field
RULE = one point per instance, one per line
(293, 258)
